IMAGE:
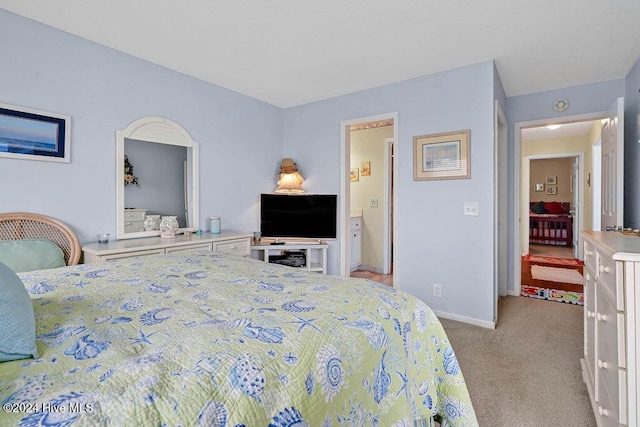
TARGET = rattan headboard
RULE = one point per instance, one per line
(24, 225)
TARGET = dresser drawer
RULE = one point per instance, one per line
(589, 255)
(135, 214)
(198, 247)
(356, 223)
(235, 246)
(131, 254)
(607, 351)
(133, 226)
(606, 271)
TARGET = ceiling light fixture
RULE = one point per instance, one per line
(553, 127)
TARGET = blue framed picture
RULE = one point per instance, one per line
(34, 135)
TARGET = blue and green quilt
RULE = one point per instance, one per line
(209, 339)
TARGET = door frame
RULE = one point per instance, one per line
(345, 191)
(389, 155)
(500, 207)
(517, 193)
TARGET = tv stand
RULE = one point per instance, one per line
(315, 252)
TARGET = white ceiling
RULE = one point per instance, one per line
(565, 130)
(291, 52)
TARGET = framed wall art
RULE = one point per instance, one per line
(354, 175)
(552, 180)
(442, 156)
(540, 186)
(365, 168)
(552, 189)
(34, 135)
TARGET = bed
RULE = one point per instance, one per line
(206, 338)
(551, 223)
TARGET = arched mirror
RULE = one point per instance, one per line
(160, 177)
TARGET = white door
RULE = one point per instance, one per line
(613, 166)
(575, 209)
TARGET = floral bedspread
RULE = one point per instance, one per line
(210, 339)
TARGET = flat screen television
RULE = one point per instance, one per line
(308, 215)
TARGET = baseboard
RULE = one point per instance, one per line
(513, 293)
(464, 319)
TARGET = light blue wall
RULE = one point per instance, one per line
(435, 243)
(632, 148)
(584, 99)
(104, 90)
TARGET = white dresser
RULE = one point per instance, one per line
(611, 326)
(134, 220)
(227, 241)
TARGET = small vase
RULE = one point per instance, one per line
(152, 222)
(168, 227)
(216, 225)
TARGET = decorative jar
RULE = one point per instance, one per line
(152, 222)
(168, 227)
(216, 225)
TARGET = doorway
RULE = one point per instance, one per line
(570, 143)
(368, 170)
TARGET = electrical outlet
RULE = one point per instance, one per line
(373, 203)
(437, 290)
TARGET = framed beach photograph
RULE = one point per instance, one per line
(34, 135)
(442, 156)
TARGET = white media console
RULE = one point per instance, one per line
(315, 252)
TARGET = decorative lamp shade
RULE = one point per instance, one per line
(289, 180)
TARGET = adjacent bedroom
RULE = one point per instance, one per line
(295, 214)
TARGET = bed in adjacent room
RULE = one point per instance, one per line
(551, 223)
(205, 338)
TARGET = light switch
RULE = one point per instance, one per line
(471, 208)
(373, 203)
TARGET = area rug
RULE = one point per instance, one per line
(552, 294)
(551, 260)
(553, 279)
(555, 274)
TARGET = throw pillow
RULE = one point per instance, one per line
(30, 254)
(17, 321)
(554, 208)
(539, 208)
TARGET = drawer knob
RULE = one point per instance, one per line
(603, 411)
(591, 313)
(604, 269)
(589, 252)
(601, 317)
(603, 365)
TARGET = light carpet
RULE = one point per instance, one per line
(526, 372)
(555, 274)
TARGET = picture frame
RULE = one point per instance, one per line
(354, 175)
(442, 156)
(30, 134)
(552, 189)
(551, 180)
(540, 186)
(365, 168)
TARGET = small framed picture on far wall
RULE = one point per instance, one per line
(552, 189)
